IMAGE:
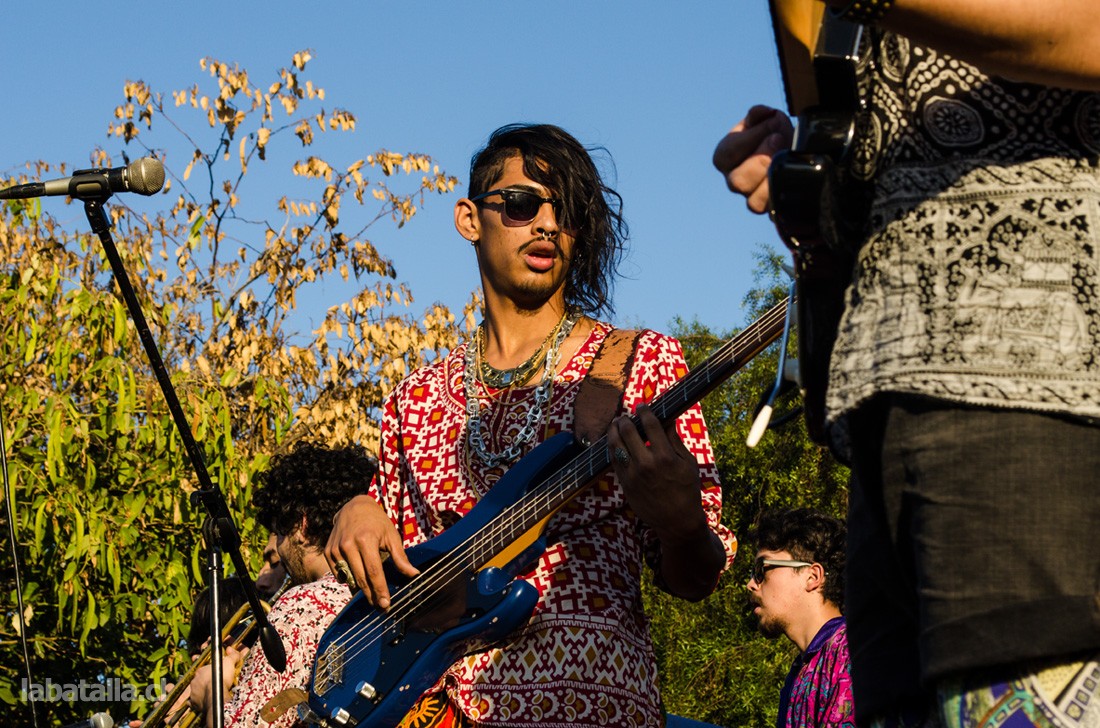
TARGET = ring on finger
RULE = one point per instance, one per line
(622, 457)
(343, 573)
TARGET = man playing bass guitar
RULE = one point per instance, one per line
(964, 384)
(547, 234)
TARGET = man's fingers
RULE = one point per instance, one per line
(400, 559)
(748, 137)
(333, 547)
(626, 447)
(736, 147)
(660, 439)
(362, 538)
(759, 199)
(372, 578)
(751, 181)
(760, 113)
(649, 420)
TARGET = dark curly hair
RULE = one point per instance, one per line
(556, 160)
(311, 481)
(807, 535)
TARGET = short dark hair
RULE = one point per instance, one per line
(807, 535)
(592, 210)
(314, 482)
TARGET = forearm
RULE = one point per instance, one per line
(1052, 42)
(691, 562)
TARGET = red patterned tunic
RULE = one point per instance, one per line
(585, 658)
(300, 616)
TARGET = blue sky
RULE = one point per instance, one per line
(656, 83)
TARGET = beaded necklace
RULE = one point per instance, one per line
(526, 434)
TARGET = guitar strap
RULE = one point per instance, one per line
(601, 394)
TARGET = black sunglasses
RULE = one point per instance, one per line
(761, 566)
(522, 205)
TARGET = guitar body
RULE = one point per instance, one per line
(372, 666)
(804, 184)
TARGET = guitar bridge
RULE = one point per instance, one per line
(329, 670)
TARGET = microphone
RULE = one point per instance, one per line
(99, 720)
(144, 176)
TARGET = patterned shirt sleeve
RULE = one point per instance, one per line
(300, 617)
(659, 363)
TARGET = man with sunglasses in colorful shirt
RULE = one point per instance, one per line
(797, 589)
(547, 234)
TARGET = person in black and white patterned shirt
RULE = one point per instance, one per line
(964, 384)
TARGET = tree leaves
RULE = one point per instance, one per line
(108, 536)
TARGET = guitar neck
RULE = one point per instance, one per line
(796, 24)
(721, 365)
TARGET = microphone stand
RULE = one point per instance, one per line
(219, 530)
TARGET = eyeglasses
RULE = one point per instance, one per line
(763, 565)
(522, 205)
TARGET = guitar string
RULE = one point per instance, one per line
(455, 562)
(458, 560)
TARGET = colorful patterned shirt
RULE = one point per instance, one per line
(818, 691)
(300, 616)
(585, 658)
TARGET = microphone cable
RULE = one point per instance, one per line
(20, 621)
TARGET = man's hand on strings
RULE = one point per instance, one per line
(361, 533)
(660, 478)
(661, 482)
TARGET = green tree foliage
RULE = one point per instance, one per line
(108, 537)
(715, 666)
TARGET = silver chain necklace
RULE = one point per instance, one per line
(526, 434)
